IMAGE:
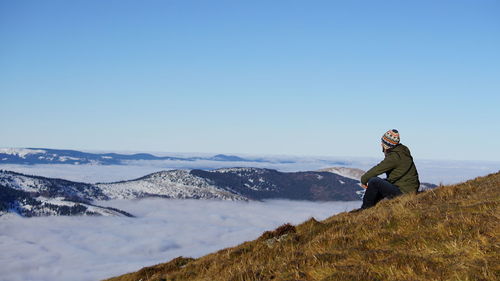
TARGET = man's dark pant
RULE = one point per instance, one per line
(377, 190)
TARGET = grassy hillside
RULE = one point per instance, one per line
(451, 233)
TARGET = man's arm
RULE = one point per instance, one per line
(386, 165)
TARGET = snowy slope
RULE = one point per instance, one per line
(20, 152)
(38, 196)
(51, 187)
(259, 184)
(351, 173)
(28, 205)
(236, 184)
(178, 184)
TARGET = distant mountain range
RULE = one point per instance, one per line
(37, 196)
(32, 156)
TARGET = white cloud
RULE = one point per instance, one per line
(451, 172)
(93, 248)
(84, 173)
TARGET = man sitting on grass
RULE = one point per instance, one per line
(402, 175)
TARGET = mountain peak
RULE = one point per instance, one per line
(224, 157)
(20, 152)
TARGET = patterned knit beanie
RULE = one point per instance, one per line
(390, 139)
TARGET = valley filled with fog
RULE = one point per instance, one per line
(92, 248)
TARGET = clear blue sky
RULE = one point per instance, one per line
(258, 77)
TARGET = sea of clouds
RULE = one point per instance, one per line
(431, 171)
(94, 248)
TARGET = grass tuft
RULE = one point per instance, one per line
(278, 232)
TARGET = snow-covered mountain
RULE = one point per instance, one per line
(31, 156)
(34, 195)
(27, 205)
(351, 173)
(176, 184)
(51, 187)
(40, 196)
(237, 184)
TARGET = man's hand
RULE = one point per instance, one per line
(364, 186)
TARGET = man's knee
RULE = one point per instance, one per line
(374, 180)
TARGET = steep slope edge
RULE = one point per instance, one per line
(449, 233)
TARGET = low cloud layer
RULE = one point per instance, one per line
(432, 171)
(93, 248)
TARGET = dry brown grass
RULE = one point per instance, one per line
(451, 233)
(279, 232)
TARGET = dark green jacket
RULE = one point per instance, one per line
(399, 168)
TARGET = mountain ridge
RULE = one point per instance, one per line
(30, 195)
(33, 156)
(244, 183)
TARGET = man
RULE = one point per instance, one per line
(402, 175)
